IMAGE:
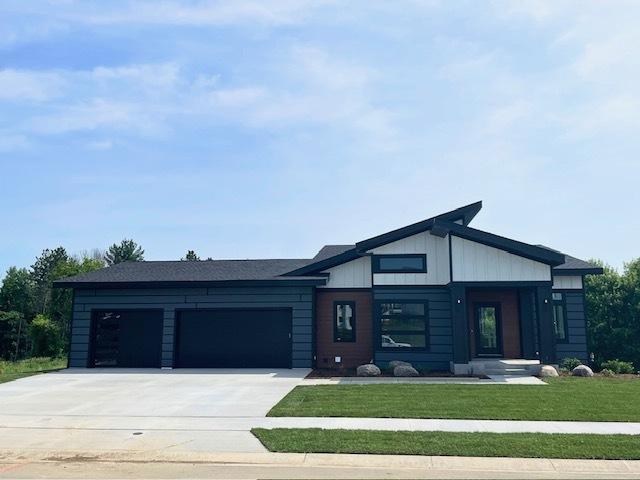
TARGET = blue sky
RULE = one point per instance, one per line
(249, 129)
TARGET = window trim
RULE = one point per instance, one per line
(354, 324)
(427, 327)
(375, 263)
(563, 304)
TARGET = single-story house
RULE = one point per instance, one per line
(437, 293)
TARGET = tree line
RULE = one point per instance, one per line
(613, 313)
(34, 317)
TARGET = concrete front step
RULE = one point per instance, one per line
(505, 367)
(508, 371)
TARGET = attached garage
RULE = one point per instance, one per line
(126, 338)
(234, 338)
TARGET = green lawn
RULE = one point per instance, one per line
(536, 445)
(24, 368)
(568, 398)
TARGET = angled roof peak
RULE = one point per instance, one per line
(331, 255)
(464, 214)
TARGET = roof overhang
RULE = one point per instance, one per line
(515, 247)
(464, 214)
(572, 272)
(315, 267)
(285, 282)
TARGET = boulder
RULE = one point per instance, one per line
(396, 363)
(368, 370)
(582, 371)
(548, 371)
(405, 371)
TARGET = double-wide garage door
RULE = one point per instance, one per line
(220, 338)
(243, 338)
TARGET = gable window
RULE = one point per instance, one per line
(403, 325)
(344, 321)
(560, 317)
(409, 263)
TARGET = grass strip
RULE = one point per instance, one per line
(569, 398)
(31, 366)
(524, 445)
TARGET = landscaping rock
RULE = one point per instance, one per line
(582, 371)
(396, 363)
(548, 371)
(405, 371)
(368, 370)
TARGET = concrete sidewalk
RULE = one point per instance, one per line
(83, 464)
(28, 428)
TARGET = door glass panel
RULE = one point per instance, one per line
(488, 325)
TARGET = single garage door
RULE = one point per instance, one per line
(234, 338)
(126, 338)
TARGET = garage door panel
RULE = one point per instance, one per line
(126, 338)
(234, 338)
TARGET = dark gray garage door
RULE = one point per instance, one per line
(238, 338)
(126, 338)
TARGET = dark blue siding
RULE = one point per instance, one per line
(440, 354)
(299, 299)
(576, 322)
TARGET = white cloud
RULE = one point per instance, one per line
(100, 145)
(188, 12)
(16, 85)
(97, 114)
(13, 142)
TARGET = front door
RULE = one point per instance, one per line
(488, 329)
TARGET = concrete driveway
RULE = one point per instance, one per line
(145, 410)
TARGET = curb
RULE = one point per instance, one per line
(487, 464)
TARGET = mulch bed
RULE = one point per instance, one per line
(351, 372)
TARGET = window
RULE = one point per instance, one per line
(403, 325)
(400, 263)
(344, 322)
(559, 317)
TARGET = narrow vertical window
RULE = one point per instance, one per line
(344, 322)
(559, 317)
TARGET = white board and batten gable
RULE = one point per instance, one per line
(476, 262)
(470, 262)
(435, 248)
(353, 274)
(572, 282)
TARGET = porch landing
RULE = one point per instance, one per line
(503, 366)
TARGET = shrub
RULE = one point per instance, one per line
(607, 372)
(45, 337)
(570, 363)
(618, 366)
(13, 341)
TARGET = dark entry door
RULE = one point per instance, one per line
(126, 338)
(488, 329)
(234, 338)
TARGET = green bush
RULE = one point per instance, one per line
(13, 335)
(45, 337)
(618, 366)
(607, 372)
(570, 363)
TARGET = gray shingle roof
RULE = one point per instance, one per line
(184, 271)
(329, 251)
(575, 264)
